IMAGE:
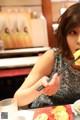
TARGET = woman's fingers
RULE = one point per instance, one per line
(44, 81)
(55, 80)
(53, 85)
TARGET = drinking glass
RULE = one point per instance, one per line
(8, 109)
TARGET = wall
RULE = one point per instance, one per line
(56, 6)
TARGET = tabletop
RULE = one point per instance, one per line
(24, 114)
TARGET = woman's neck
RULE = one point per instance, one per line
(77, 67)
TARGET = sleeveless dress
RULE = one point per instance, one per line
(69, 90)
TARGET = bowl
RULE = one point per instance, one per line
(76, 106)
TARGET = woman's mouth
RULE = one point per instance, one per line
(76, 55)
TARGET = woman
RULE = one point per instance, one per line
(58, 91)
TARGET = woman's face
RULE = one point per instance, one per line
(73, 39)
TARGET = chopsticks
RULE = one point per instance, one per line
(59, 72)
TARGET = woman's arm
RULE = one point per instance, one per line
(38, 76)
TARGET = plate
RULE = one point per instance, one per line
(76, 106)
(48, 110)
(25, 115)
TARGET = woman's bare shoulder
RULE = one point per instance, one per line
(45, 62)
(49, 53)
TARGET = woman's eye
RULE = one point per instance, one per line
(73, 32)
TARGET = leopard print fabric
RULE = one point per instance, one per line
(69, 90)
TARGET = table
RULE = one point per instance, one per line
(25, 114)
(77, 117)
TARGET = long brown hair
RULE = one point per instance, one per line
(67, 22)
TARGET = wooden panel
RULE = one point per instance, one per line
(47, 12)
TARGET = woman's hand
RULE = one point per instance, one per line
(51, 87)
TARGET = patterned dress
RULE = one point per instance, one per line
(69, 90)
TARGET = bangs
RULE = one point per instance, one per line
(71, 24)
